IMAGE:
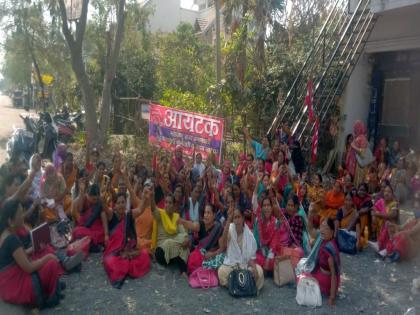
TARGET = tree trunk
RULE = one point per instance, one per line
(88, 96)
(75, 44)
(112, 59)
(38, 74)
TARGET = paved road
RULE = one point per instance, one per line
(9, 117)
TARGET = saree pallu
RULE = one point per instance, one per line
(40, 288)
(268, 240)
(323, 278)
(95, 231)
(144, 230)
(210, 242)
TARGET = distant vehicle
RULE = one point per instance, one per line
(17, 98)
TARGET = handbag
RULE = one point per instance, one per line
(81, 245)
(241, 283)
(346, 242)
(365, 158)
(308, 292)
(203, 278)
(283, 272)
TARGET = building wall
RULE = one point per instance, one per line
(395, 30)
(168, 14)
(384, 5)
(355, 100)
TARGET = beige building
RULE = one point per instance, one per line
(168, 14)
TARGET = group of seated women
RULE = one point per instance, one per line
(189, 214)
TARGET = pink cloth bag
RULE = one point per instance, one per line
(203, 278)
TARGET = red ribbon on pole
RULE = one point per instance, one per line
(309, 99)
(315, 138)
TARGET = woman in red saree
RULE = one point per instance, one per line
(384, 210)
(89, 208)
(209, 231)
(122, 257)
(358, 146)
(401, 243)
(22, 280)
(328, 262)
(266, 226)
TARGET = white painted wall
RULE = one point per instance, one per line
(395, 30)
(188, 16)
(168, 14)
(356, 97)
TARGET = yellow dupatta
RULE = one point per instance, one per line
(170, 225)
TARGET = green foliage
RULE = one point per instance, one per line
(186, 101)
(185, 63)
(262, 54)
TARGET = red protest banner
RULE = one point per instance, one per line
(169, 127)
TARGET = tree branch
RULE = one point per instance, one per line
(80, 31)
(119, 34)
(65, 26)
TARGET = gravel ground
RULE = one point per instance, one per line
(369, 286)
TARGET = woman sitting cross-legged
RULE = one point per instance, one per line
(22, 280)
(266, 227)
(170, 240)
(327, 257)
(241, 249)
(209, 231)
(88, 208)
(122, 257)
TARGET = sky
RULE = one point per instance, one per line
(187, 4)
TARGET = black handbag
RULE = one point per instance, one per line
(346, 242)
(242, 283)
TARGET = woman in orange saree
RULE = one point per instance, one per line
(70, 172)
(334, 200)
(144, 221)
(316, 196)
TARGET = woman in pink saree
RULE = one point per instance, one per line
(358, 146)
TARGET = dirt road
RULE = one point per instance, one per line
(9, 117)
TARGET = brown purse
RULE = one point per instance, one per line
(283, 272)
